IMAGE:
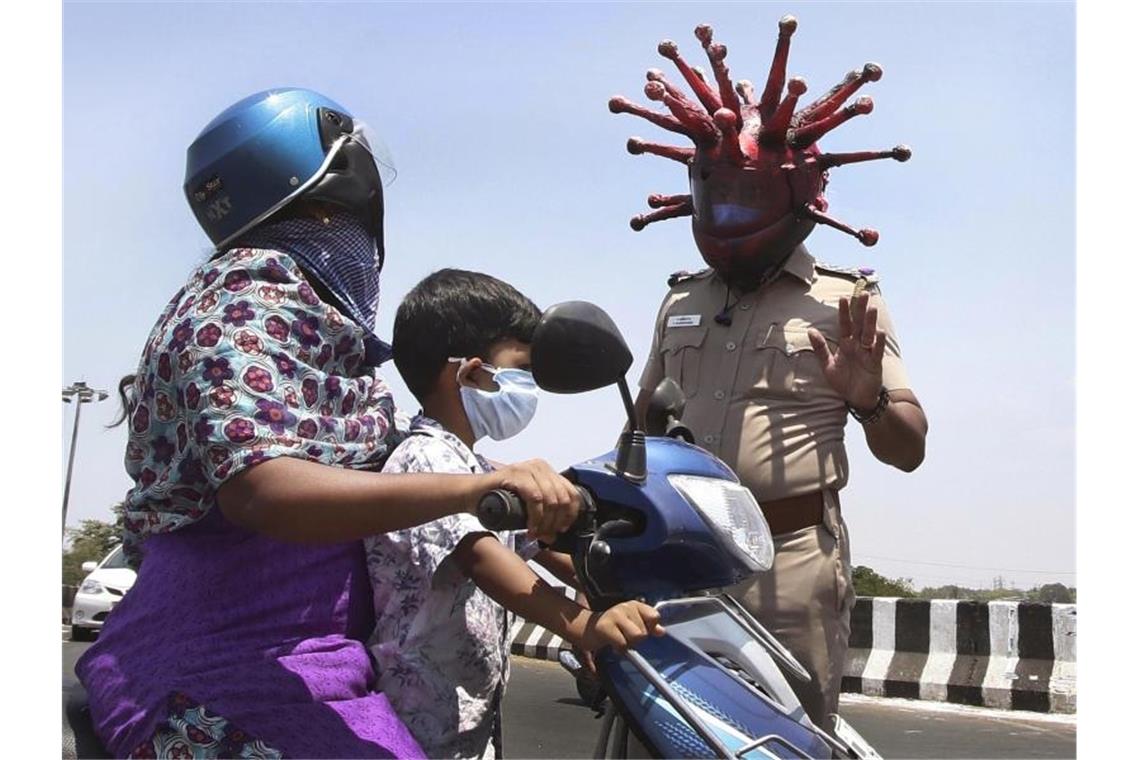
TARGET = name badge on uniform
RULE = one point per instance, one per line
(684, 320)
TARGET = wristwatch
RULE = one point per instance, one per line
(872, 416)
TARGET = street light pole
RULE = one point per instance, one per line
(83, 395)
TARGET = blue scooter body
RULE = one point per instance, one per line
(678, 554)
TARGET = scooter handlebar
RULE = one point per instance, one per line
(501, 509)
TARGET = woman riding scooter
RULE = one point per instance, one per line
(257, 425)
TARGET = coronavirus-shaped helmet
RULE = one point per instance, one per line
(756, 176)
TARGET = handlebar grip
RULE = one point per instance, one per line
(501, 510)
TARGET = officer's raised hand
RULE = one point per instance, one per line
(855, 370)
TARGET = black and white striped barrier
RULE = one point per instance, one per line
(1010, 655)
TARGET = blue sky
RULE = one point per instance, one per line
(510, 163)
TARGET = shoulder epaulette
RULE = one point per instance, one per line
(867, 274)
(681, 276)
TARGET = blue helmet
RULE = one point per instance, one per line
(274, 147)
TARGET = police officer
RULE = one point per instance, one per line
(774, 350)
(769, 384)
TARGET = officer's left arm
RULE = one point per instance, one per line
(898, 437)
(866, 360)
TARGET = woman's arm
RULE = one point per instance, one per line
(298, 500)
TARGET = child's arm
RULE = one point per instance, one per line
(503, 576)
(297, 500)
(560, 566)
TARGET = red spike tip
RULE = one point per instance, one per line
(657, 75)
(778, 71)
(638, 223)
(837, 95)
(717, 53)
(637, 146)
(777, 127)
(698, 124)
(866, 236)
(802, 136)
(708, 98)
(704, 33)
(619, 104)
(730, 138)
(746, 91)
(899, 153)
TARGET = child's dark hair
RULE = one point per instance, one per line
(454, 312)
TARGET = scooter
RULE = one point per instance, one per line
(668, 523)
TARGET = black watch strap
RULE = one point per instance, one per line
(875, 414)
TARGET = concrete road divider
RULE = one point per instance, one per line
(1009, 655)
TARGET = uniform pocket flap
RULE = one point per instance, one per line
(676, 338)
(787, 339)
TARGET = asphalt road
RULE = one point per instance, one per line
(543, 718)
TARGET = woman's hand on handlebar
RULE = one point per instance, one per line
(622, 626)
(552, 501)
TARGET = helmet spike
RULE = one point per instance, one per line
(639, 222)
(657, 200)
(708, 98)
(730, 137)
(866, 236)
(699, 124)
(657, 75)
(776, 74)
(746, 91)
(619, 104)
(899, 153)
(777, 127)
(835, 97)
(637, 146)
(802, 136)
(717, 53)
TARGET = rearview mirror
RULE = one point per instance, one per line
(578, 348)
(88, 566)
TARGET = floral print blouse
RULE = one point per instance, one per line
(246, 364)
(440, 645)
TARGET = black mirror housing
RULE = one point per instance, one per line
(578, 348)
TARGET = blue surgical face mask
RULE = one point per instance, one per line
(502, 413)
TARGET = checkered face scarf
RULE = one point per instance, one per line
(342, 255)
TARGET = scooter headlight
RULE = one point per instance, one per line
(730, 510)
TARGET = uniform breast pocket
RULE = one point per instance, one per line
(783, 364)
(681, 352)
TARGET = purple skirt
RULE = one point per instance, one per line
(265, 634)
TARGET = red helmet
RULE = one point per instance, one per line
(756, 176)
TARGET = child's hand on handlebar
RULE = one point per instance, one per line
(622, 626)
(552, 501)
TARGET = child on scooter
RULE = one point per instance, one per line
(461, 342)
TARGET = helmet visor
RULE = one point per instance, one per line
(366, 137)
(732, 201)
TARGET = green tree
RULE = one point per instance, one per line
(91, 541)
(1053, 593)
(869, 583)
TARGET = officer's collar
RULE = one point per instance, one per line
(800, 264)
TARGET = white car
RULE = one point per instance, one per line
(101, 590)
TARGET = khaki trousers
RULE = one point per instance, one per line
(805, 600)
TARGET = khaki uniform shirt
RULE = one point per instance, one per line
(755, 394)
